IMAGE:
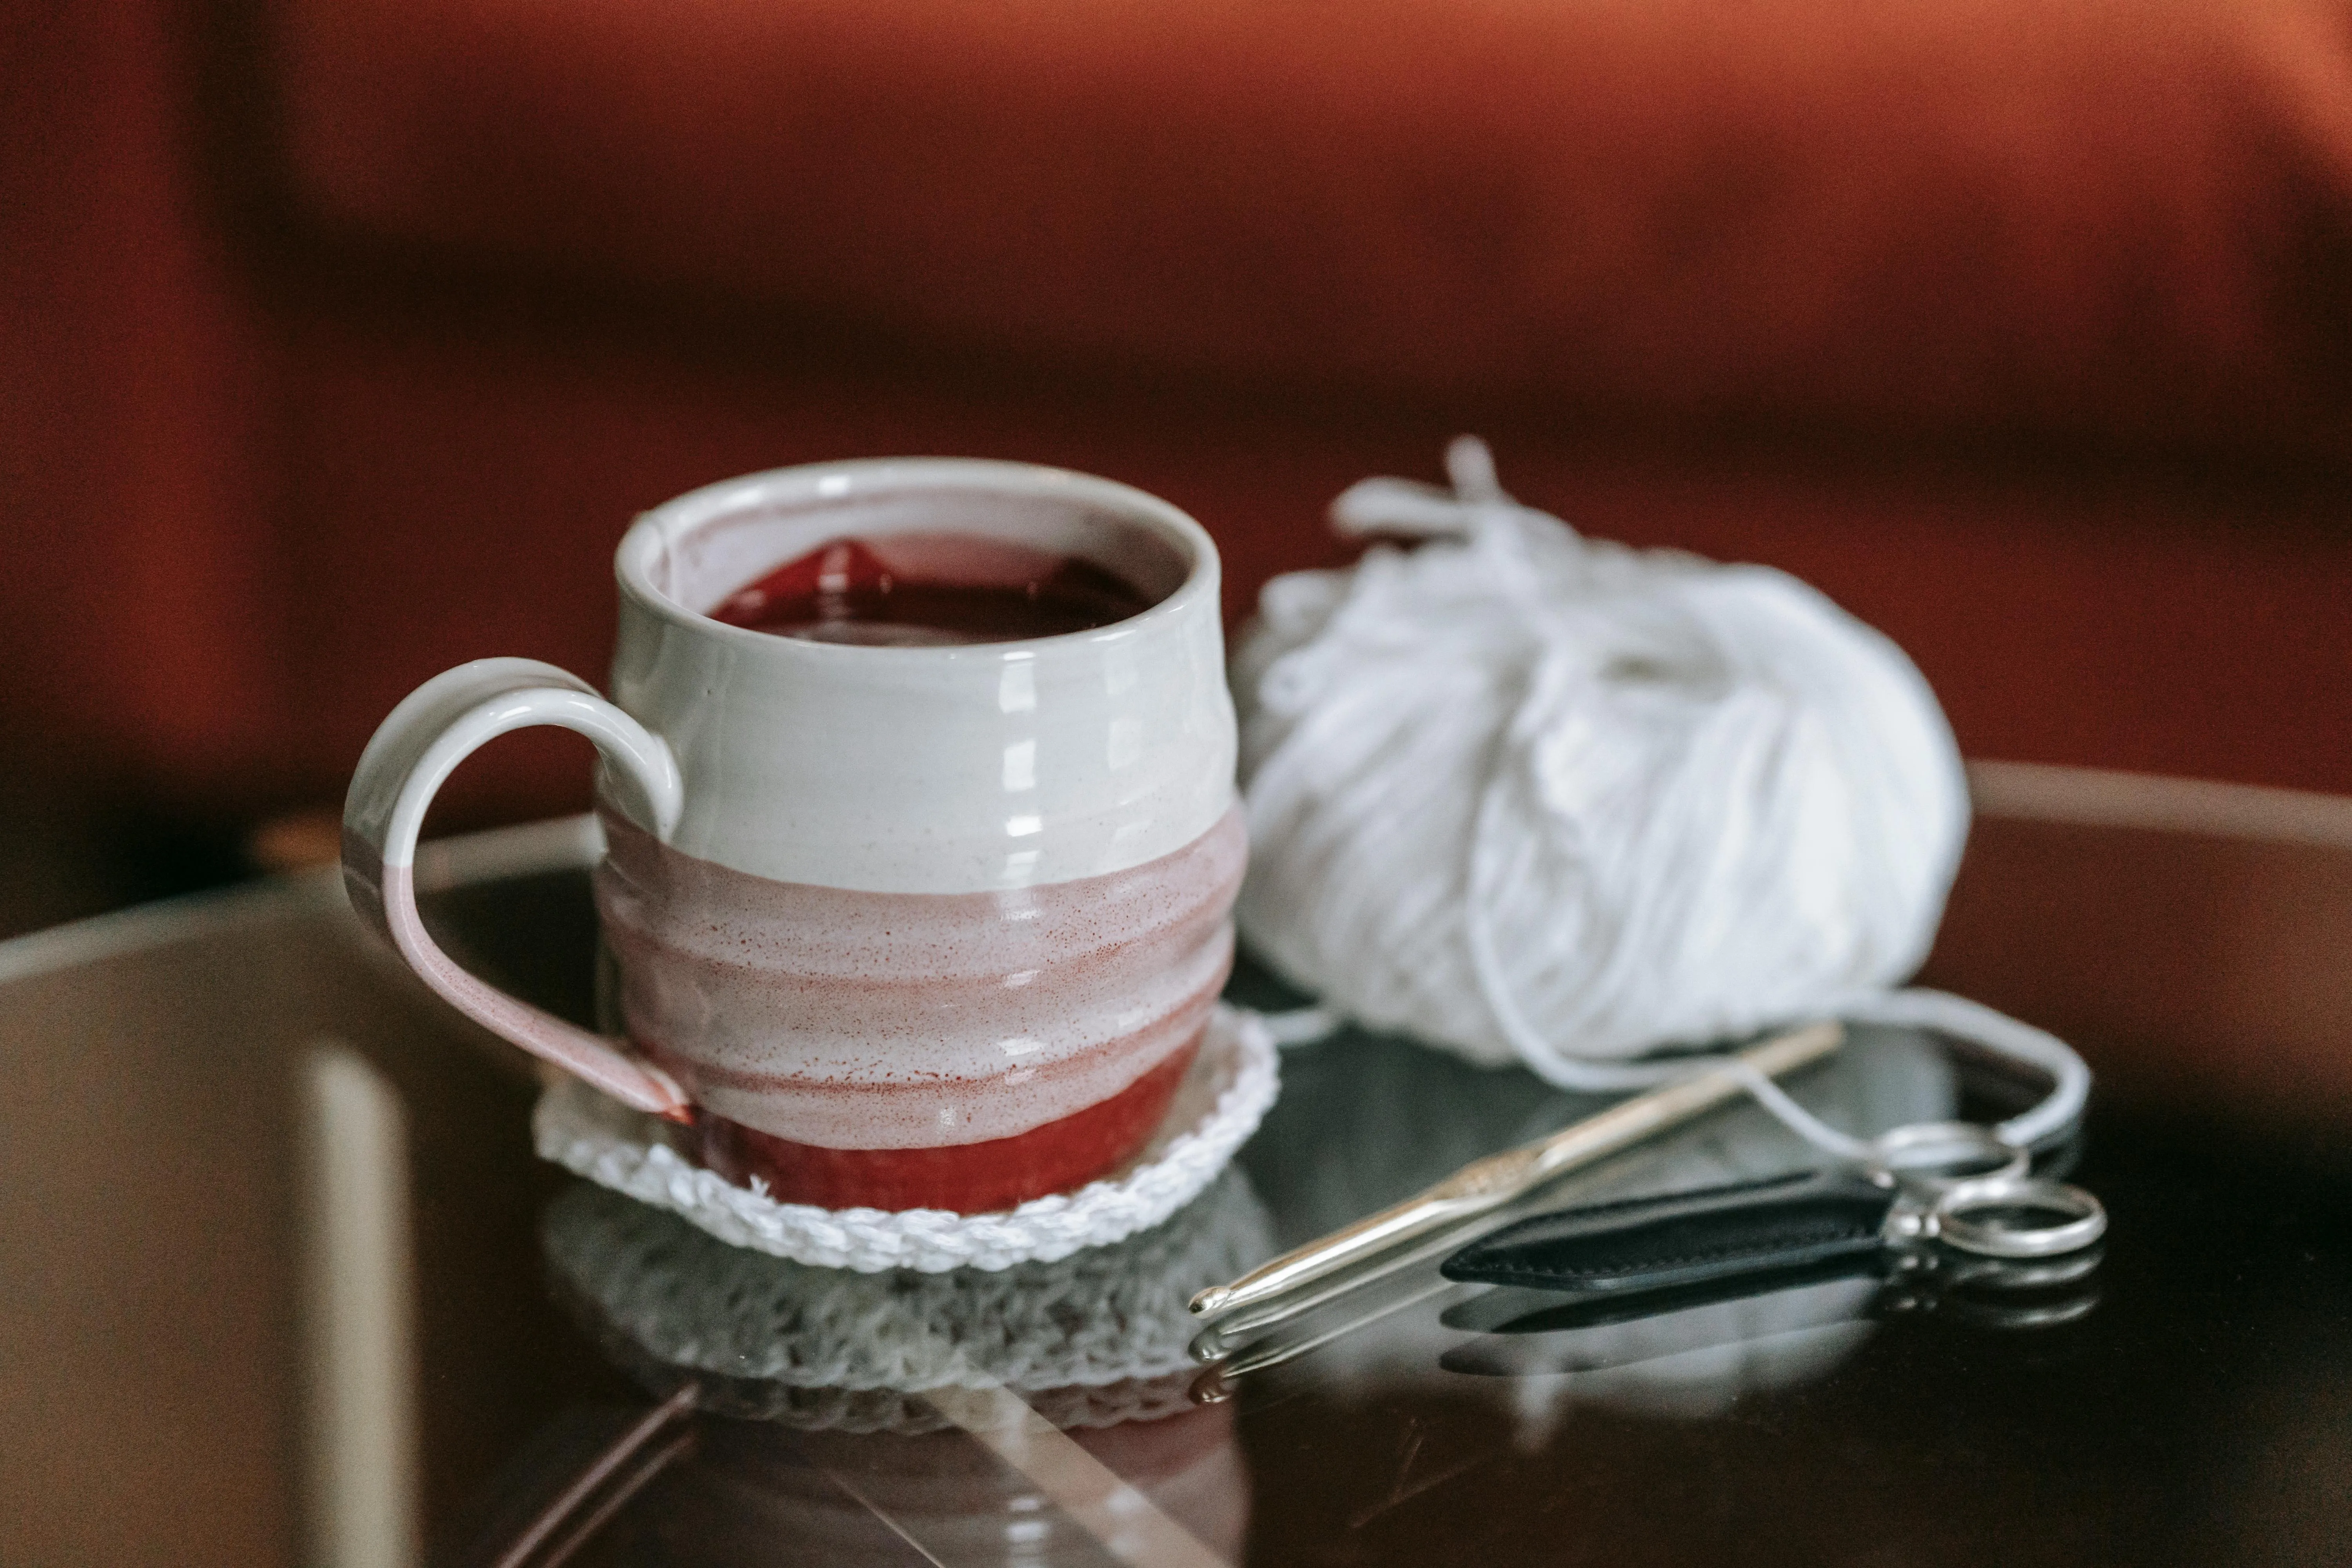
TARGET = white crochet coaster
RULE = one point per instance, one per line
(1219, 1104)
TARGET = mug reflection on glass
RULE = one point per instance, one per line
(907, 1386)
(1095, 1338)
(900, 918)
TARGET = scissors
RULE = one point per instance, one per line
(1900, 1213)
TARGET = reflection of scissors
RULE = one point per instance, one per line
(1525, 1333)
(1896, 1210)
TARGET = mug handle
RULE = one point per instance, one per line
(404, 765)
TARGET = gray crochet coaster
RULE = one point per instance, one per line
(1093, 1339)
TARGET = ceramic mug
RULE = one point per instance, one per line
(891, 926)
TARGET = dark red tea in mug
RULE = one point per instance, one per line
(928, 590)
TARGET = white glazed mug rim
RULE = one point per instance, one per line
(661, 529)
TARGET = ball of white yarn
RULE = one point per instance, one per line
(1523, 794)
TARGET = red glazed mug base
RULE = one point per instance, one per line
(964, 1178)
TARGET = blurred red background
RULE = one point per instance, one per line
(343, 338)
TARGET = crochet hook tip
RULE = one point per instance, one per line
(1210, 1387)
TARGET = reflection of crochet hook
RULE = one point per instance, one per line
(1215, 1384)
(1498, 1180)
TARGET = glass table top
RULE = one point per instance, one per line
(2189, 1401)
(594, 1381)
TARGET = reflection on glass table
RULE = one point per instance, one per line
(1336, 1147)
(848, 1374)
(335, 1285)
(1040, 1414)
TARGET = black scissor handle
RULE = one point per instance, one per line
(1685, 1239)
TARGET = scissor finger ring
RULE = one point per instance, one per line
(1950, 1221)
(1937, 1155)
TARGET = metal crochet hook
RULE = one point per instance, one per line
(1499, 1180)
